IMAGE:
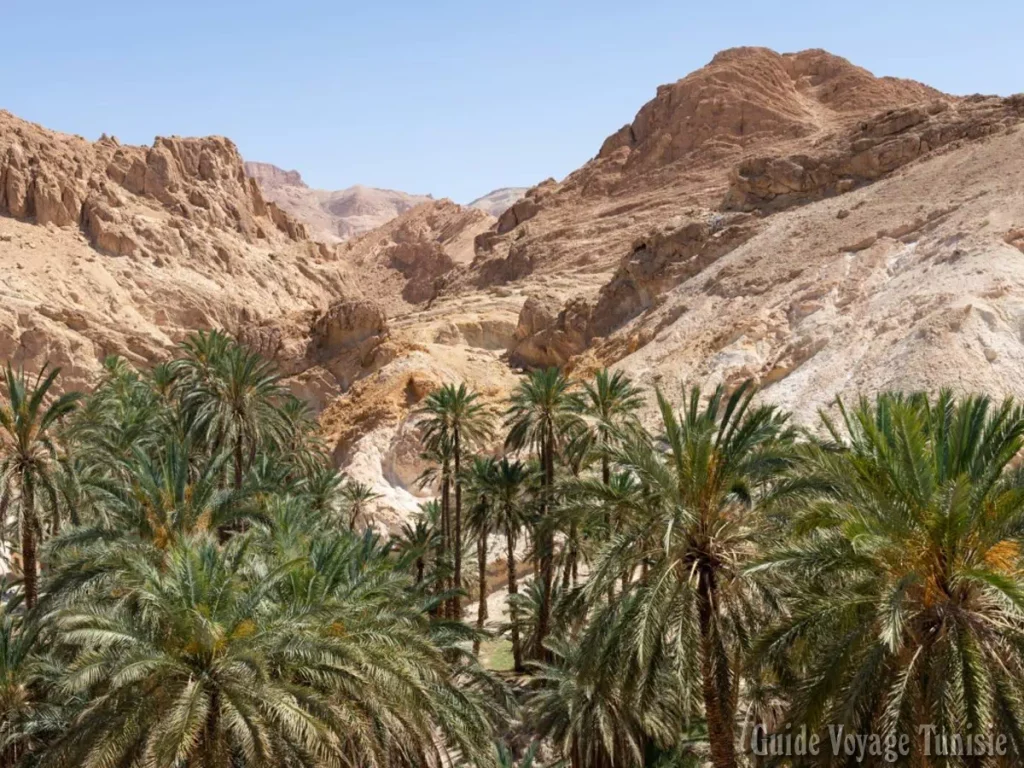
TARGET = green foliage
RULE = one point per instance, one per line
(213, 591)
(208, 598)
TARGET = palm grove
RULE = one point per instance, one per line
(202, 588)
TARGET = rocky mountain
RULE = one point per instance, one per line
(784, 217)
(332, 216)
(500, 200)
(114, 249)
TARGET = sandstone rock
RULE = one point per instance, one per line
(523, 210)
(63, 182)
(347, 326)
(871, 149)
(548, 335)
(410, 259)
(662, 260)
(133, 247)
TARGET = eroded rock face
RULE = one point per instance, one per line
(353, 325)
(113, 249)
(408, 261)
(549, 335)
(663, 259)
(872, 149)
(70, 182)
(677, 153)
(422, 263)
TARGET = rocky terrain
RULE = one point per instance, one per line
(788, 218)
(500, 200)
(332, 216)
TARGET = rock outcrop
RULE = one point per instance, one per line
(548, 334)
(348, 326)
(874, 148)
(661, 260)
(679, 152)
(198, 183)
(115, 249)
(410, 259)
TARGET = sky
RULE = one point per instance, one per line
(448, 98)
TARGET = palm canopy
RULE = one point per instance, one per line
(233, 396)
(480, 478)
(160, 496)
(541, 415)
(317, 660)
(455, 411)
(541, 412)
(906, 580)
(607, 408)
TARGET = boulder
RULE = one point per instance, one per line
(347, 326)
(549, 335)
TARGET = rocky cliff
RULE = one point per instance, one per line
(107, 248)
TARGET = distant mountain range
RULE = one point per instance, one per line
(345, 213)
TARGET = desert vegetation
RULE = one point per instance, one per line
(192, 583)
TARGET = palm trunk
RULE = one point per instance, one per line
(211, 737)
(5, 501)
(717, 688)
(513, 589)
(545, 536)
(572, 555)
(457, 576)
(420, 565)
(239, 453)
(445, 534)
(481, 585)
(28, 542)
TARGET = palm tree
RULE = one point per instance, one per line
(212, 662)
(234, 401)
(301, 445)
(417, 541)
(160, 498)
(507, 759)
(588, 718)
(509, 482)
(355, 499)
(323, 488)
(18, 672)
(455, 415)
(696, 503)
(906, 576)
(608, 411)
(404, 687)
(541, 413)
(439, 472)
(481, 478)
(28, 456)
(192, 678)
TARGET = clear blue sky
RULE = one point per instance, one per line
(450, 98)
